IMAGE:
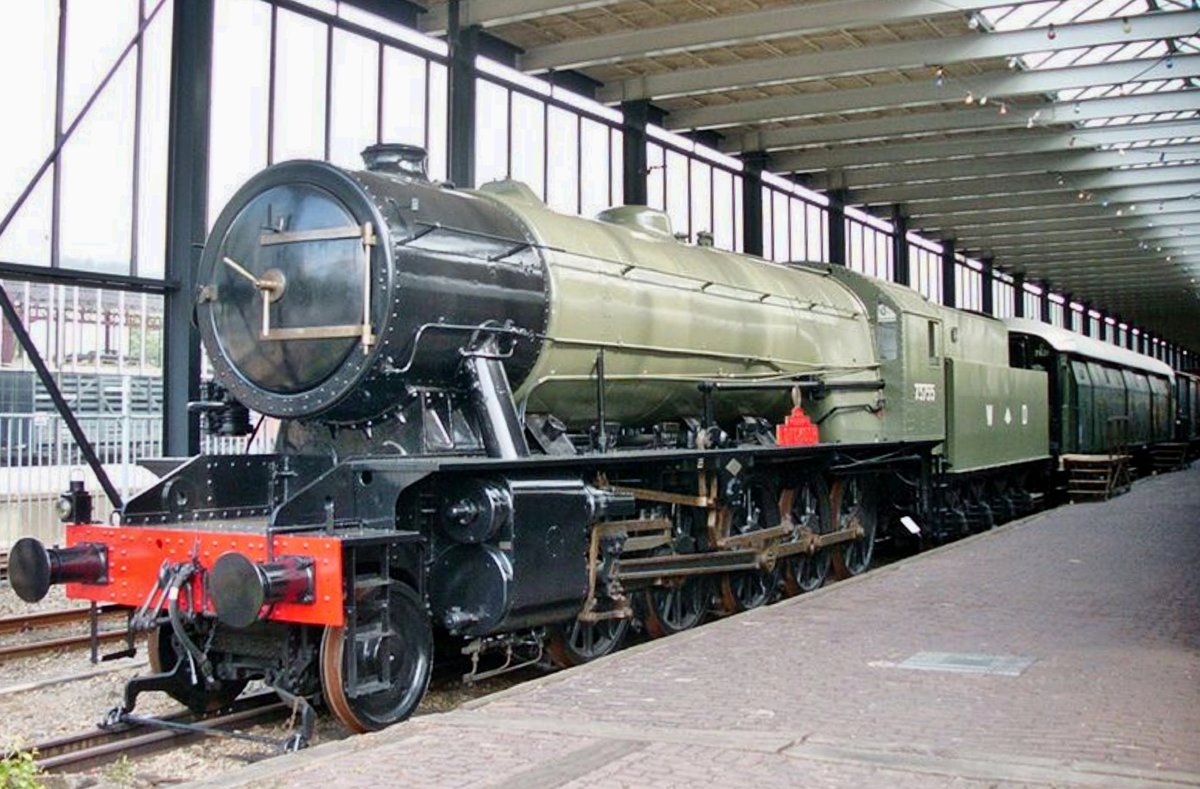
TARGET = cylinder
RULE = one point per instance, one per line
(243, 590)
(33, 568)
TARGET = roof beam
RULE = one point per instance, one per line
(764, 25)
(1028, 248)
(1053, 224)
(1070, 207)
(1057, 243)
(1020, 251)
(978, 187)
(902, 55)
(1045, 236)
(1089, 284)
(1041, 245)
(1015, 242)
(1172, 236)
(1058, 162)
(996, 85)
(1131, 195)
(966, 119)
(1031, 256)
(1098, 259)
(1005, 143)
(1098, 286)
(492, 13)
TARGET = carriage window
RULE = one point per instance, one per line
(932, 340)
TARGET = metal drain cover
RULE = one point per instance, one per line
(968, 663)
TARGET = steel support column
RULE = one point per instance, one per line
(1018, 295)
(900, 270)
(987, 302)
(752, 202)
(837, 226)
(949, 272)
(464, 45)
(187, 217)
(635, 167)
(1045, 301)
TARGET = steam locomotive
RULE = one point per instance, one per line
(520, 432)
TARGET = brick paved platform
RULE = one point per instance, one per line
(1104, 599)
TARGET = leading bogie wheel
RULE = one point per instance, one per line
(854, 508)
(809, 508)
(392, 656)
(163, 652)
(579, 642)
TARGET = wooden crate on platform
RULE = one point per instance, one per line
(1097, 477)
(1169, 457)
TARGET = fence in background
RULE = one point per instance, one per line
(38, 459)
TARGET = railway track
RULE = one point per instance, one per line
(97, 747)
(48, 619)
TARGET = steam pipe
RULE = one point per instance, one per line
(491, 395)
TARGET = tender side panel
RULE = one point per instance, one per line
(995, 415)
(136, 555)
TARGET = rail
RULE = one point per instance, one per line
(96, 747)
(23, 623)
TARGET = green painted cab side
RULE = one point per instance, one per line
(911, 340)
(995, 415)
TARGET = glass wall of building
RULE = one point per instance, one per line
(100, 206)
(566, 148)
(925, 267)
(318, 81)
(795, 222)
(869, 245)
(699, 188)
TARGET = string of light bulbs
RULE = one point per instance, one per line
(1159, 155)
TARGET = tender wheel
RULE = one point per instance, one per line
(809, 507)
(983, 514)
(580, 642)
(163, 652)
(854, 507)
(676, 607)
(753, 508)
(393, 660)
